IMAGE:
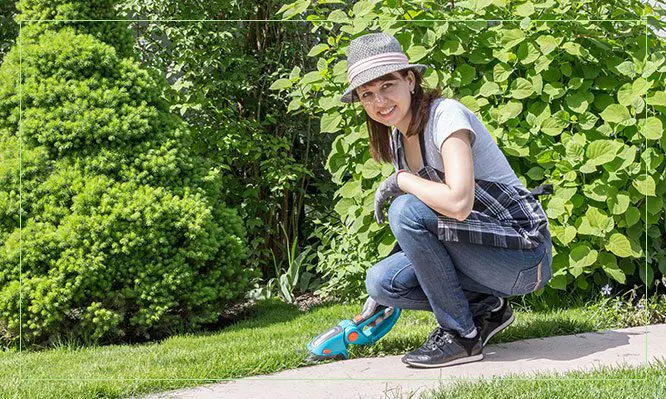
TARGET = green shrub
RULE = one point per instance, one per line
(576, 104)
(118, 232)
(80, 15)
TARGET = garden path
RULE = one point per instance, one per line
(388, 377)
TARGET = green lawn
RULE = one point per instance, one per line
(271, 339)
(643, 382)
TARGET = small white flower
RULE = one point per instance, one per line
(606, 290)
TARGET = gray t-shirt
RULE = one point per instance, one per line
(448, 116)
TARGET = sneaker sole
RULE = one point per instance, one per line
(499, 328)
(462, 360)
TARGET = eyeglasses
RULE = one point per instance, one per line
(386, 89)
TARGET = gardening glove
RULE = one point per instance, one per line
(370, 308)
(387, 189)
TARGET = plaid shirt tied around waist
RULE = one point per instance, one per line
(503, 215)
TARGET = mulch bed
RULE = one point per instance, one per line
(239, 310)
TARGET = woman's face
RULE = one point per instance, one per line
(387, 99)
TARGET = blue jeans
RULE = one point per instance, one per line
(456, 281)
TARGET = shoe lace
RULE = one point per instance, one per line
(439, 337)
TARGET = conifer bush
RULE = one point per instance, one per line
(110, 229)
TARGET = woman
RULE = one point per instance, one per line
(469, 233)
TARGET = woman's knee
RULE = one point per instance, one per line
(405, 209)
(374, 284)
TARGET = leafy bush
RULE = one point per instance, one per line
(576, 104)
(220, 72)
(110, 229)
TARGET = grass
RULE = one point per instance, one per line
(271, 338)
(642, 382)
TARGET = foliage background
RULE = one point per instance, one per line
(571, 102)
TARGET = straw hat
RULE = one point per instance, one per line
(371, 56)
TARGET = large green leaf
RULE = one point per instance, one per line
(629, 92)
(470, 102)
(542, 63)
(548, 43)
(657, 98)
(363, 7)
(527, 53)
(280, 84)
(293, 9)
(644, 184)
(489, 88)
(600, 152)
(338, 16)
(626, 68)
(501, 72)
(330, 122)
(415, 53)
(558, 282)
(574, 151)
(565, 235)
(512, 37)
(618, 204)
(318, 49)
(620, 245)
(558, 207)
(311, 77)
(386, 245)
(651, 128)
(521, 88)
(553, 126)
(452, 47)
(587, 121)
(615, 113)
(351, 189)
(525, 9)
(582, 256)
(575, 49)
(371, 169)
(595, 223)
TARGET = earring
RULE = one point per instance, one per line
(412, 91)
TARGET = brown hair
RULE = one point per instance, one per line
(380, 137)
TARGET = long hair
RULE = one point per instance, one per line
(380, 135)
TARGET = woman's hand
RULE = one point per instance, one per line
(387, 189)
(370, 308)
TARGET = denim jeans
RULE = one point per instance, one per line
(456, 281)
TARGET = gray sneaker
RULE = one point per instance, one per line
(495, 321)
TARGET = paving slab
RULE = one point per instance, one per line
(388, 377)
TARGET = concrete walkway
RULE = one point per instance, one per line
(388, 377)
